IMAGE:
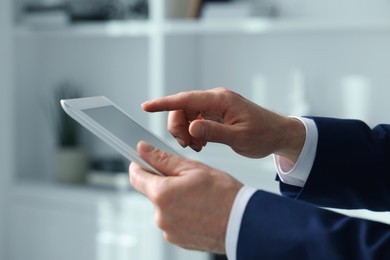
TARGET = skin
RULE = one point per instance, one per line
(193, 201)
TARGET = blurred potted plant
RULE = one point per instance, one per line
(70, 156)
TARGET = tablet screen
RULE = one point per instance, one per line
(124, 128)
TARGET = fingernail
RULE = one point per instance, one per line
(198, 130)
(180, 141)
(196, 148)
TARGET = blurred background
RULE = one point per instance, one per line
(65, 195)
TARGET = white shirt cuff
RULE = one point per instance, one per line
(297, 174)
(234, 224)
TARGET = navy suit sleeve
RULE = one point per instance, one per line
(276, 228)
(351, 167)
(350, 171)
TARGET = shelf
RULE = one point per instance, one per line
(206, 27)
(266, 26)
(103, 29)
(52, 191)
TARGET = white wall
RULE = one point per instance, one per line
(6, 98)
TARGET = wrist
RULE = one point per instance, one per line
(293, 135)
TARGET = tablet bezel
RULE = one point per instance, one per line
(75, 107)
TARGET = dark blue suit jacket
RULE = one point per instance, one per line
(351, 170)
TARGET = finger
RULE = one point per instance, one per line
(178, 127)
(211, 131)
(142, 180)
(193, 100)
(164, 162)
(178, 124)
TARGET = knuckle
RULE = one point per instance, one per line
(132, 179)
(184, 95)
(160, 201)
(226, 95)
(161, 196)
(160, 220)
(221, 89)
(171, 239)
(163, 157)
(224, 91)
(153, 195)
(133, 176)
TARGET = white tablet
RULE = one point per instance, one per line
(111, 124)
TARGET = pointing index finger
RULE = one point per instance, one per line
(193, 100)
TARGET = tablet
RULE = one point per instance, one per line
(111, 124)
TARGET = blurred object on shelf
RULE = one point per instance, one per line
(292, 8)
(70, 157)
(184, 9)
(139, 9)
(66, 129)
(264, 8)
(45, 13)
(71, 164)
(226, 10)
(108, 173)
(239, 9)
(102, 10)
(195, 9)
(42, 6)
(96, 10)
(53, 13)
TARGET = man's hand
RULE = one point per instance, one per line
(193, 201)
(220, 115)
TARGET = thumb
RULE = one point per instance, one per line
(208, 130)
(162, 161)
